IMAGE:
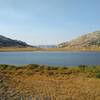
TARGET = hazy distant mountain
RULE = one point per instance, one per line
(7, 42)
(87, 40)
(46, 46)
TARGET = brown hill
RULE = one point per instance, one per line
(87, 40)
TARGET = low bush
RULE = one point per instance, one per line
(64, 68)
(97, 75)
(7, 67)
(50, 73)
(82, 67)
(32, 66)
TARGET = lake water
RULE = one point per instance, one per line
(50, 58)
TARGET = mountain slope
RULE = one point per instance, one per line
(7, 42)
(87, 40)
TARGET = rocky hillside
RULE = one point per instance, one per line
(87, 40)
(7, 42)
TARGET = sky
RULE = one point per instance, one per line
(40, 22)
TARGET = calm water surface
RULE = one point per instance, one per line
(50, 58)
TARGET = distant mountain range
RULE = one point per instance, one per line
(7, 42)
(90, 41)
(46, 46)
(87, 40)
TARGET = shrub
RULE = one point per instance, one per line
(64, 68)
(3, 66)
(97, 75)
(82, 67)
(8, 67)
(54, 68)
(50, 73)
(42, 67)
(48, 68)
(32, 66)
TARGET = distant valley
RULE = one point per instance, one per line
(87, 42)
(46, 46)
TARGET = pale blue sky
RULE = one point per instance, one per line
(48, 21)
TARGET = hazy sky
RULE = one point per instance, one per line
(48, 21)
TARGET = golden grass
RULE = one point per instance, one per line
(10, 49)
(49, 84)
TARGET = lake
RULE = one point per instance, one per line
(50, 58)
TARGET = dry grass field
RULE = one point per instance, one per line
(73, 49)
(38, 82)
(10, 49)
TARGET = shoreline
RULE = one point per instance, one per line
(14, 49)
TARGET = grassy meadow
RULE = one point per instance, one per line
(40, 82)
